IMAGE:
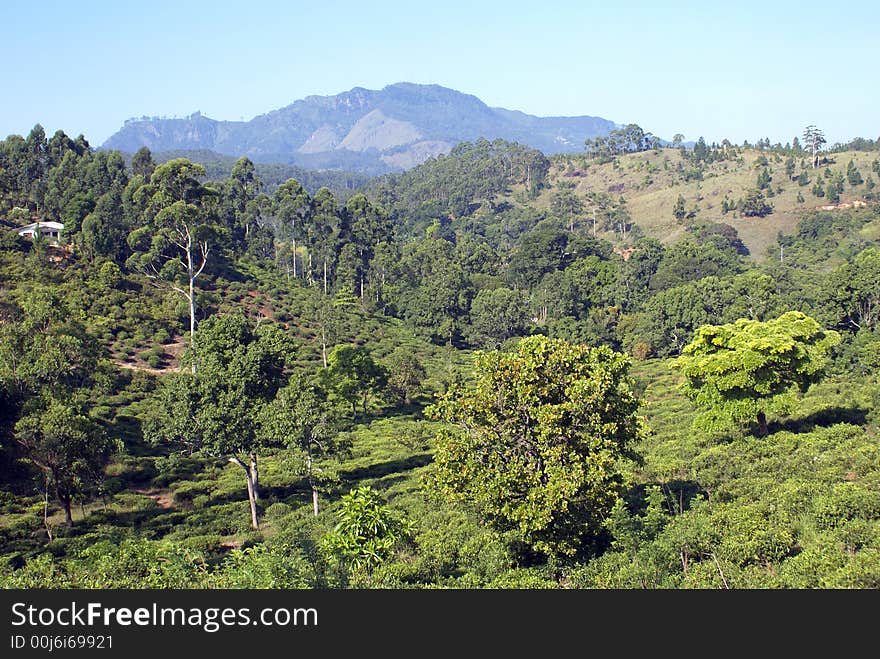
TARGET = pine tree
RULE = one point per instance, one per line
(678, 211)
(853, 175)
(814, 139)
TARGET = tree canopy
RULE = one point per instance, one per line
(744, 369)
(533, 443)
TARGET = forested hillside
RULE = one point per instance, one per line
(636, 367)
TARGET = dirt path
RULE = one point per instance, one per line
(161, 497)
(172, 355)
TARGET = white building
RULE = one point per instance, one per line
(51, 231)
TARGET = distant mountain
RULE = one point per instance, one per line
(363, 130)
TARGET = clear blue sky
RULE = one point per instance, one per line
(743, 70)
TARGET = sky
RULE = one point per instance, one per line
(740, 70)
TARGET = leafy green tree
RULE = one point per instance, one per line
(142, 163)
(701, 150)
(566, 205)
(215, 412)
(367, 533)
(58, 145)
(755, 205)
(299, 419)
(853, 175)
(327, 315)
(634, 276)
(540, 251)
(173, 247)
(68, 447)
(44, 350)
(629, 139)
(743, 370)
(369, 226)
(64, 183)
(678, 210)
(789, 168)
(435, 291)
(405, 374)
(355, 375)
(834, 188)
(670, 318)
(497, 315)
(533, 444)
(814, 139)
(293, 208)
(103, 230)
(855, 291)
(239, 212)
(35, 166)
(323, 234)
(690, 260)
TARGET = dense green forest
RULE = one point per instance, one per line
(643, 366)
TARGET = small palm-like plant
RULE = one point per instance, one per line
(367, 532)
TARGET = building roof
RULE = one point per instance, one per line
(49, 225)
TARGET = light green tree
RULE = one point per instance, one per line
(355, 375)
(745, 369)
(367, 533)
(405, 374)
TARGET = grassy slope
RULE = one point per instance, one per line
(651, 186)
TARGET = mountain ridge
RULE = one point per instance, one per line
(370, 131)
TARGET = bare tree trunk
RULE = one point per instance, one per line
(255, 476)
(46, 509)
(325, 276)
(762, 424)
(250, 491)
(324, 346)
(253, 503)
(68, 517)
(312, 483)
(717, 565)
(294, 256)
(192, 314)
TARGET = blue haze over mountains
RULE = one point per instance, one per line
(362, 130)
